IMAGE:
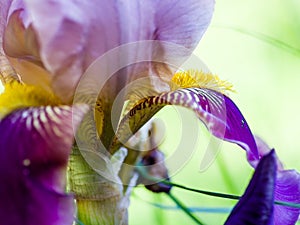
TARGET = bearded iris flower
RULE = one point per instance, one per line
(51, 44)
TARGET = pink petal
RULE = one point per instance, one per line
(5, 4)
(72, 34)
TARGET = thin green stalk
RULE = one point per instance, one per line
(159, 214)
(294, 205)
(184, 208)
(228, 196)
(263, 37)
(144, 173)
(214, 194)
(226, 175)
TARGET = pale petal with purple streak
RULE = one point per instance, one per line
(65, 37)
(221, 116)
(34, 148)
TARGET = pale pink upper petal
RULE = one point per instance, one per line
(183, 22)
(5, 4)
(72, 34)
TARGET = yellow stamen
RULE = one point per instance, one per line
(199, 79)
(17, 95)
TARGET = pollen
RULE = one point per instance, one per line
(199, 79)
(17, 95)
(26, 162)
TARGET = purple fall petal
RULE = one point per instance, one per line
(65, 37)
(238, 130)
(256, 205)
(287, 187)
(263, 149)
(34, 148)
(220, 115)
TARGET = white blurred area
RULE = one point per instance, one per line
(1, 87)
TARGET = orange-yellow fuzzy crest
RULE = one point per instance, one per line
(17, 95)
(199, 79)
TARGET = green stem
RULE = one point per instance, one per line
(221, 162)
(97, 199)
(290, 204)
(228, 196)
(159, 214)
(144, 173)
(263, 37)
(214, 194)
(184, 208)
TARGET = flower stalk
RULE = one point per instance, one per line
(98, 199)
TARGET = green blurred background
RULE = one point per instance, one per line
(266, 78)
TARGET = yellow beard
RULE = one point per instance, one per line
(199, 79)
(17, 95)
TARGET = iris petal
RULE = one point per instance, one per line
(81, 31)
(288, 190)
(287, 187)
(256, 205)
(34, 148)
(5, 4)
(215, 110)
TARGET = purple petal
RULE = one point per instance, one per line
(256, 205)
(215, 110)
(5, 4)
(34, 148)
(183, 22)
(287, 187)
(70, 35)
(238, 130)
(263, 149)
(288, 190)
